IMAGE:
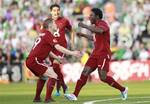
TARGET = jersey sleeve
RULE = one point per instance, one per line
(103, 26)
(68, 25)
(50, 39)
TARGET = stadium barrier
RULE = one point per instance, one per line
(119, 70)
(11, 72)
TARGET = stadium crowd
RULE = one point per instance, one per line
(20, 22)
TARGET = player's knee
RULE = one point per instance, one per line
(86, 71)
(103, 75)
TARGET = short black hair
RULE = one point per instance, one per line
(98, 12)
(54, 5)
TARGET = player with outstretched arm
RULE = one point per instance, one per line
(60, 24)
(43, 45)
(100, 57)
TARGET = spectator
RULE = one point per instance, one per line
(128, 27)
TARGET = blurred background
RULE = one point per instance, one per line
(129, 22)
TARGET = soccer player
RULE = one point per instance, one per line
(60, 24)
(100, 57)
(44, 44)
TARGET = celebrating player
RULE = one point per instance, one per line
(44, 44)
(100, 57)
(60, 24)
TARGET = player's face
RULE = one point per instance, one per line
(55, 12)
(92, 18)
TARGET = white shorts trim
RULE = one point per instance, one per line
(104, 61)
(43, 64)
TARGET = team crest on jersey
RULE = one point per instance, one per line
(54, 40)
(41, 34)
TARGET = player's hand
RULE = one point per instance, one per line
(82, 25)
(77, 53)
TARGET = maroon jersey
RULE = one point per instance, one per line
(102, 41)
(43, 45)
(62, 24)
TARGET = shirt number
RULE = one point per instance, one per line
(56, 33)
(36, 42)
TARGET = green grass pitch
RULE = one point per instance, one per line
(99, 93)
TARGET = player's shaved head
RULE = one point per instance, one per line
(54, 5)
(48, 24)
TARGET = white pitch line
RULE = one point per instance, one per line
(113, 99)
(103, 100)
(140, 102)
(137, 102)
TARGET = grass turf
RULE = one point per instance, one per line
(23, 93)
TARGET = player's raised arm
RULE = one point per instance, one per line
(66, 51)
(91, 28)
(85, 35)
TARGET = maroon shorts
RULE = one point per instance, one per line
(98, 62)
(35, 66)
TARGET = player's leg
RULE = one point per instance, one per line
(103, 68)
(83, 79)
(49, 89)
(90, 66)
(40, 69)
(50, 84)
(58, 85)
(80, 83)
(57, 69)
(40, 84)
